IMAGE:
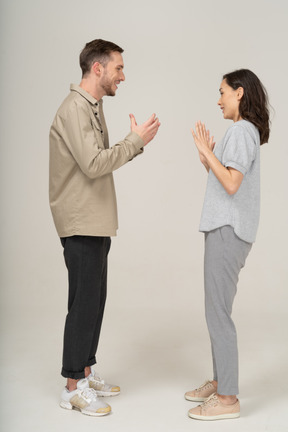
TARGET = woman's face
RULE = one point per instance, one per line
(229, 101)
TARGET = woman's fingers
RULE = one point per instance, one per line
(200, 130)
(194, 134)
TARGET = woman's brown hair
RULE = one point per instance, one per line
(254, 102)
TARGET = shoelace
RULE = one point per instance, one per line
(98, 379)
(88, 394)
(211, 401)
(203, 385)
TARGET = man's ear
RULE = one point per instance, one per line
(97, 68)
(240, 93)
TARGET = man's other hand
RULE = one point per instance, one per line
(146, 130)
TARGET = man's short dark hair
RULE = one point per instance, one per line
(97, 50)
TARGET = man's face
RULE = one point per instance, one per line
(112, 74)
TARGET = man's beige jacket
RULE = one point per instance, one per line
(81, 187)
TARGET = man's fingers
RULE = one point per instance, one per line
(154, 125)
(150, 120)
(146, 130)
(153, 129)
(133, 120)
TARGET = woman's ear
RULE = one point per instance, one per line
(240, 93)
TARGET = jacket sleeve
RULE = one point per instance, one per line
(86, 145)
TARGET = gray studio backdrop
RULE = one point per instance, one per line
(175, 55)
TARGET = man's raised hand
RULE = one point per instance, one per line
(146, 130)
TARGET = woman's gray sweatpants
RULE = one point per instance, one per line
(225, 255)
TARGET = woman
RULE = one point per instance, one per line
(229, 220)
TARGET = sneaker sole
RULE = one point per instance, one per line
(195, 399)
(218, 417)
(67, 405)
(106, 394)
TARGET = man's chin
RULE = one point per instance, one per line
(109, 91)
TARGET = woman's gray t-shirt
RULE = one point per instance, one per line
(239, 149)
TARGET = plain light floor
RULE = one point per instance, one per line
(155, 357)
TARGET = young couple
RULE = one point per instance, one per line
(83, 205)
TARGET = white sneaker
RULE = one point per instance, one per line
(84, 399)
(100, 387)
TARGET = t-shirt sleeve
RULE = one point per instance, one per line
(239, 149)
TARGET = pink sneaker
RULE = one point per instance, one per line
(201, 393)
(214, 409)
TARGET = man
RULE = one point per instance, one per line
(83, 205)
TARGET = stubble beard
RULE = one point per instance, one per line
(107, 87)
